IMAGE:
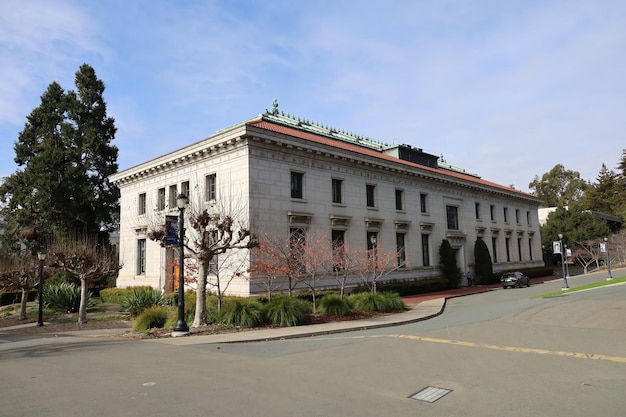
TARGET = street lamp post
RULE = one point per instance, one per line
(566, 262)
(565, 285)
(181, 328)
(42, 257)
(608, 258)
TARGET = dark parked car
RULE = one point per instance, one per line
(514, 279)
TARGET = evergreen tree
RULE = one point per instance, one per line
(65, 157)
(483, 266)
(448, 265)
(603, 195)
(575, 224)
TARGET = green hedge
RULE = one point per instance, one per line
(405, 288)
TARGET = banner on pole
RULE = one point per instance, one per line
(602, 247)
(171, 230)
(556, 247)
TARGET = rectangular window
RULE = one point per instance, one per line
(171, 198)
(507, 245)
(141, 208)
(477, 210)
(530, 249)
(161, 199)
(452, 213)
(210, 187)
(297, 246)
(505, 212)
(528, 218)
(141, 257)
(213, 265)
(370, 191)
(492, 212)
(297, 184)
(399, 200)
(184, 188)
(519, 249)
(425, 250)
(337, 191)
(401, 249)
(517, 216)
(372, 249)
(339, 250)
(494, 247)
(423, 203)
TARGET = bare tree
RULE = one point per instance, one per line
(212, 233)
(223, 270)
(267, 266)
(587, 253)
(86, 259)
(373, 264)
(20, 273)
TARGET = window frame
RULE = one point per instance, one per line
(399, 195)
(452, 217)
(337, 191)
(210, 187)
(141, 256)
(297, 185)
(370, 195)
(423, 203)
(161, 199)
(401, 249)
(141, 204)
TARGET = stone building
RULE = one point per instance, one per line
(293, 177)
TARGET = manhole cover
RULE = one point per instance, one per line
(430, 394)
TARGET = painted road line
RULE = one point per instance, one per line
(566, 354)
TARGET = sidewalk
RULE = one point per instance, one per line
(420, 307)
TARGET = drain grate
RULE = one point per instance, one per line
(430, 394)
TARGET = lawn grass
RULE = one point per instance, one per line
(583, 287)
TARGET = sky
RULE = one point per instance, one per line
(503, 89)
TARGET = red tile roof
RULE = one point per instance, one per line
(273, 127)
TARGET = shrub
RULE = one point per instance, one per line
(483, 267)
(63, 297)
(448, 265)
(113, 295)
(334, 304)
(380, 302)
(150, 318)
(408, 287)
(241, 312)
(285, 311)
(140, 298)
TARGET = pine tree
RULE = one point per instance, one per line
(65, 157)
(603, 195)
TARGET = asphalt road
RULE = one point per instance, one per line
(495, 354)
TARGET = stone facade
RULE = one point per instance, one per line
(277, 173)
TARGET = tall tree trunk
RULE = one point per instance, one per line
(82, 309)
(23, 303)
(200, 315)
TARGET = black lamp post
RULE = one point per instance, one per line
(42, 257)
(181, 328)
(608, 258)
(561, 248)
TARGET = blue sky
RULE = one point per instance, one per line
(505, 89)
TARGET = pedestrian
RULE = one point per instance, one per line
(468, 276)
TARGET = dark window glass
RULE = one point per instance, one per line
(370, 190)
(452, 213)
(337, 191)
